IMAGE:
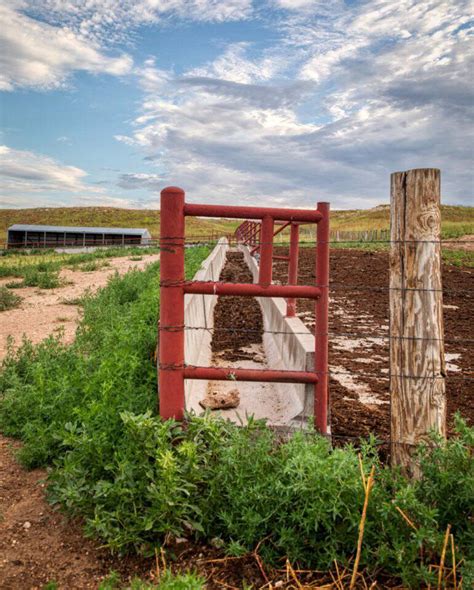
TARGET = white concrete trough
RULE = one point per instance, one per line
(289, 345)
(199, 313)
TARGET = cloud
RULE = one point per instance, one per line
(30, 179)
(342, 99)
(152, 182)
(27, 172)
(40, 55)
(110, 21)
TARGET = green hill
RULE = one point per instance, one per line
(107, 217)
(456, 220)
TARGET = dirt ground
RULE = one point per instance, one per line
(46, 311)
(359, 345)
(38, 544)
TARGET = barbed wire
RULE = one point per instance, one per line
(334, 334)
(330, 373)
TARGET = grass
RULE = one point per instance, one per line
(89, 411)
(107, 217)
(20, 264)
(8, 300)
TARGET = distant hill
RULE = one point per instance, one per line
(106, 217)
(456, 220)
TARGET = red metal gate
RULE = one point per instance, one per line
(173, 287)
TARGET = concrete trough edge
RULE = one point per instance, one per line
(199, 312)
(290, 347)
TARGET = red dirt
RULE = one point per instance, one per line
(359, 311)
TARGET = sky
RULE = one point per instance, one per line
(252, 102)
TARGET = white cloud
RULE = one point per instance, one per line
(37, 54)
(111, 20)
(28, 179)
(27, 172)
(349, 96)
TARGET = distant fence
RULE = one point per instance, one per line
(371, 235)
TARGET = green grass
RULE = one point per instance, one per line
(167, 581)
(8, 300)
(89, 411)
(107, 217)
(22, 263)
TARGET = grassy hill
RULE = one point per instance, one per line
(106, 217)
(456, 220)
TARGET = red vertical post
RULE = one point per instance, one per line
(266, 251)
(293, 267)
(171, 369)
(321, 316)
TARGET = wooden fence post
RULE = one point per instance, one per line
(417, 366)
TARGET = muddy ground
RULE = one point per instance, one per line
(359, 345)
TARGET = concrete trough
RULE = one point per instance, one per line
(198, 313)
(289, 345)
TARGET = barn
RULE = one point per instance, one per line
(52, 236)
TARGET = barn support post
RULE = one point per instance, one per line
(293, 267)
(321, 317)
(171, 329)
(417, 365)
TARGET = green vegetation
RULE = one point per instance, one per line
(107, 217)
(8, 300)
(14, 263)
(89, 411)
(167, 581)
(456, 220)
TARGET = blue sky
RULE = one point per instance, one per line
(276, 102)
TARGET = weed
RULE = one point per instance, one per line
(89, 409)
(8, 300)
(167, 581)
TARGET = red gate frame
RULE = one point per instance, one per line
(173, 287)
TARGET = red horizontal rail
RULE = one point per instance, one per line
(263, 375)
(235, 212)
(250, 289)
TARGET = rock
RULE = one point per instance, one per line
(27, 525)
(221, 400)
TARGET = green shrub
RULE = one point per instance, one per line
(168, 581)
(44, 279)
(90, 410)
(8, 300)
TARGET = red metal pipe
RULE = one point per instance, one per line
(321, 317)
(265, 375)
(171, 380)
(235, 212)
(276, 257)
(293, 267)
(250, 289)
(266, 252)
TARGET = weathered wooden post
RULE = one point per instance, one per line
(417, 368)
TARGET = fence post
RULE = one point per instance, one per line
(293, 267)
(417, 367)
(321, 317)
(171, 367)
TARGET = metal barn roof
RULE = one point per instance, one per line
(131, 231)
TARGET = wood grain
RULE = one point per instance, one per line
(417, 368)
